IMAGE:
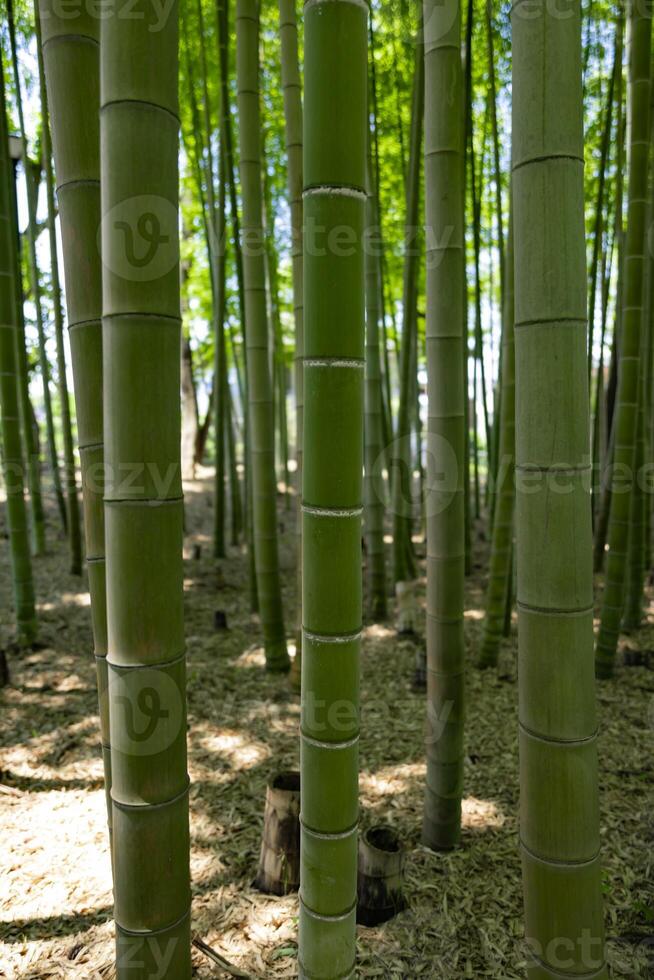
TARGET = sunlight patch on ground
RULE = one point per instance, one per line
(240, 751)
(477, 615)
(267, 922)
(478, 814)
(62, 830)
(254, 657)
(391, 780)
(245, 923)
(44, 757)
(81, 599)
(378, 631)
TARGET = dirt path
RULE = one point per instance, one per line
(465, 915)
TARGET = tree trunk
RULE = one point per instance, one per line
(222, 419)
(292, 89)
(12, 449)
(601, 179)
(402, 482)
(626, 419)
(74, 530)
(445, 325)
(190, 421)
(32, 180)
(30, 431)
(373, 423)
(504, 497)
(497, 176)
(72, 72)
(639, 520)
(261, 428)
(558, 721)
(144, 508)
(335, 137)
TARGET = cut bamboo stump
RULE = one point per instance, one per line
(279, 865)
(380, 879)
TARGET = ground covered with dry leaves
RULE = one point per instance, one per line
(465, 913)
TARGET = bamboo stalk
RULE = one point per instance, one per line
(292, 91)
(373, 422)
(72, 71)
(12, 449)
(503, 524)
(403, 561)
(30, 433)
(74, 530)
(143, 495)
(335, 137)
(626, 419)
(260, 422)
(559, 826)
(445, 325)
(32, 180)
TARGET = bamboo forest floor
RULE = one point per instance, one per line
(465, 914)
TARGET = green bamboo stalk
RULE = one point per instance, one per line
(649, 365)
(335, 138)
(638, 530)
(558, 722)
(475, 428)
(403, 560)
(221, 421)
(503, 523)
(144, 508)
(214, 225)
(32, 180)
(213, 219)
(373, 422)
(71, 61)
(603, 507)
(476, 194)
(227, 140)
(416, 420)
(37, 524)
(626, 420)
(10, 428)
(278, 364)
(601, 184)
(467, 131)
(612, 221)
(634, 591)
(74, 530)
(385, 289)
(260, 422)
(222, 20)
(236, 497)
(445, 326)
(292, 92)
(387, 413)
(399, 126)
(599, 434)
(497, 175)
(208, 125)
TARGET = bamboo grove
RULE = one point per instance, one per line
(387, 271)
